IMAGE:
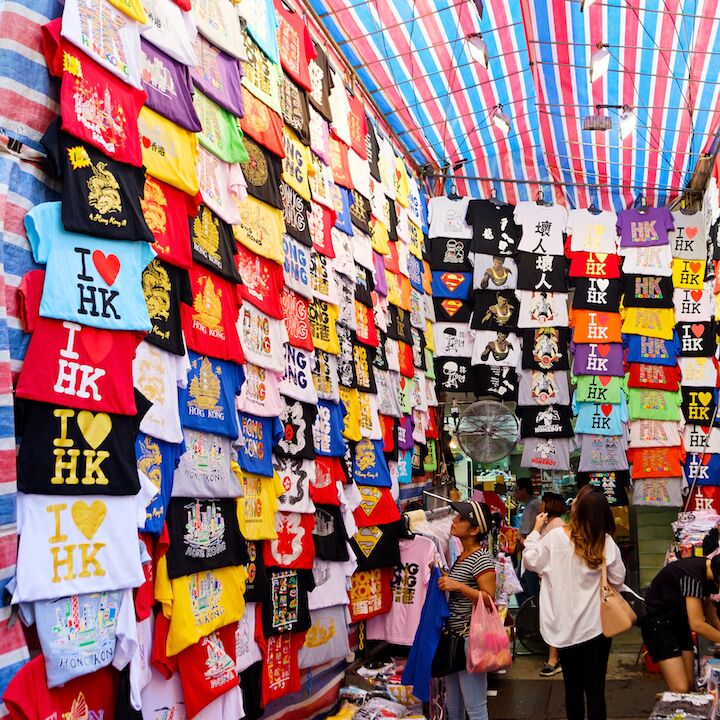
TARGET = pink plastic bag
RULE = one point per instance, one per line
(488, 646)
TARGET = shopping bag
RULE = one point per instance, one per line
(488, 646)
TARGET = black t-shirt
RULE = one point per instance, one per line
(454, 374)
(677, 581)
(204, 535)
(614, 483)
(296, 211)
(75, 452)
(390, 218)
(597, 294)
(399, 327)
(101, 196)
(494, 230)
(450, 254)
(346, 360)
(697, 339)
(364, 285)
(262, 173)
(417, 462)
(250, 686)
(452, 310)
(380, 360)
(549, 421)
(377, 546)
(360, 212)
(165, 287)
(652, 291)
(213, 243)
(500, 382)
(294, 107)
(321, 81)
(545, 349)
(698, 405)
(372, 148)
(418, 349)
(329, 534)
(364, 373)
(285, 609)
(495, 310)
(256, 583)
(546, 273)
(297, 419)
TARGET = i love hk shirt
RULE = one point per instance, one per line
(90, 281)
(71, 364)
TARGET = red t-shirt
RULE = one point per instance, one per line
(74, 365)
(90, 696)
(366, 331)
(262, 281)
(656, 462)
(166, 210)
(295, 312)
(340, 164)
(294, 547)
(262, 124)
(589, 264)
(322, 221)
(407, 369)
(358, 126)
(387, 427)
(432, 430)
(207, 669)
(377, 507)
(96, 106)
(210, 324)
(159, 659)
(281, 670)
(370, 593)
(654, 377)
(145, 595)
(392, 259)
(296, 45)
(328, 471)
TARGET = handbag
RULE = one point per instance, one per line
(450, 654)
(616, 615)
(488, 647)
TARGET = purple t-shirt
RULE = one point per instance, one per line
(405, 433)
(380, 280)
(218, 76)
(642, 229)
(167, 84)
(592, 359)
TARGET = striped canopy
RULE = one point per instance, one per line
(413, 57)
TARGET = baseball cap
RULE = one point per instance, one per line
(478, 513)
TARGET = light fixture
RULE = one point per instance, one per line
(478, 49)
(501, 120)
(628, 121)
(585, 4)
(599, 62)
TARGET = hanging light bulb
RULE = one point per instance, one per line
(599, 62)
(501, 120)
(455, 449)
(478, 49)
(628, 122)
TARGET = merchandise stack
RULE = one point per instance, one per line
(231, 352)
(599, 398)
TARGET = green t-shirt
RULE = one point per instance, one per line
(598, 389)
(221, 133)
(644, 404)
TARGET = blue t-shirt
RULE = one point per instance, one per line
(450, 284)
(328, 429)
(702, 470)
(208, 401)
(415, 273)
(369, 465)
(258, 436)
(605, 419)
(404, 462)
(157, 459)
(88, 280)
(652, 351)
(343, 219)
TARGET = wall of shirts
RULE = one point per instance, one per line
(229, 349)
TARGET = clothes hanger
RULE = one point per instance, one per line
(540, 199)
(684, 208)
(453, 195)
(594, 209)
(493, 197)
(642, 206)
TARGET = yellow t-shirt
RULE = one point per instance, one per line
(393, 287)
(429, 341)
(351, 401)
(132, 8)
(402, 191)
(260, 229)
(651, 322)
(169, 152)
(415, 246)
(379, 238)
(199, 603)
(688, 274)
(323, 325)
(297, 164)
(256, 510)
(368, 416)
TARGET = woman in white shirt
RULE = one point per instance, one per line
(569, 561)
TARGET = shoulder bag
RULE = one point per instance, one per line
(616, 615)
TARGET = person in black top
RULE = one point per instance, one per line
(678, 603)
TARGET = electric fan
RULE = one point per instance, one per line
(527, 627)
(487, 431)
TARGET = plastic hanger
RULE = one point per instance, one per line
(594, 209)
(684, 209)
(453, 195)
(540, 199)
(493, 197)
(642, 206)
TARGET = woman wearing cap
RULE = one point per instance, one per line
(569, 561)
(471, 577)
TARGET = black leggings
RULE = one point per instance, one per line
(584, 667)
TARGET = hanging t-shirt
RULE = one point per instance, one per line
(453, 254)
(592, 232)
(165, 288)
(320, 83)
(257, 509)
(261, 122)
(261, 228)
(656, 377)
(493, 227)
(647, 260)
(204, 469)
(496, 310)
(447, 218)
(297, 440)
(694, 306)
(595, 326)
(285, 609)
(370, 591)
(222, 185)
(688, 239)
(280, 671)
(552, 421)
(377, 507)
(262, 172)
(262, 338)
(329, 534)
(221, 133)
(169, 29)
(648, 404)
(369, 466)
(614, 485)
(376, 547)
(296, 46)
(599, 359)
(597, 294)
(326, 640)
(698, 371)
(543, 227)
(657, 462)
(653, 351)
(297, 266)
(649, 322)
(696, 339)
(296, 476)
(644, 228)
(327, 429)
(294, 107)
(598, 265)
(208, 402)
(325, 376)
(598, 388)
(542, 309)
(603, 419)
(700, 438)
(260, 394)
(453, 285)
(218, 75)
(213, 244)
(543, 388)
(293, 547)
(218, 21)
(257, 437)
(655, 433)
(543, 349)
(688, 274)
(547, 453)
(452, 339)
(699, 405)
(541, 273)
(650, 291)
(453, 311)
(105, 194)
(297, 374)
(91, 281)
(499, 382)
(296, 164)
(296, 317)
(262, 282)
(602, 453)
(500, 349)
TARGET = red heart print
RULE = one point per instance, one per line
(605, 380)
(691, 232)
(606, 410)
(697, 329)
(97, 345)
(695, 266)
(146, 141)
(107, 265)
(603, 350)
(696, 295)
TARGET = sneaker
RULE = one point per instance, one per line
(550, 670)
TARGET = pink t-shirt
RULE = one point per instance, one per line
(409, 587)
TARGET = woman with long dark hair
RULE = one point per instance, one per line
(569, 559)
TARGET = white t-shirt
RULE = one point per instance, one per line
(262, 338)
(72, 545)
(696, 439)
(591, 232)
(362, 250)
(343, 246)
(487, 277)
(260, 394)
(339, 107)
(447, 217)
(327, 639)
(323, 278)
(171, 30)
(325, 376)
(386, 161)
(647, 260)
(346, 303)
(414, 201)
(107, 35)
(359, 172)
(654, 433)
(246, 649)
(297, 381)
(542, 309)
(296, 475)
(688, 239)
(204, 468)
(487, 350)
(694, 305)
(331, 582)
(222, 185)
(158, 374)
(452, 339)
(369, 420)
(543, 227)
(296, 267)
(218, 22)
(698, 371)
(140, 668)
(388, 384)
